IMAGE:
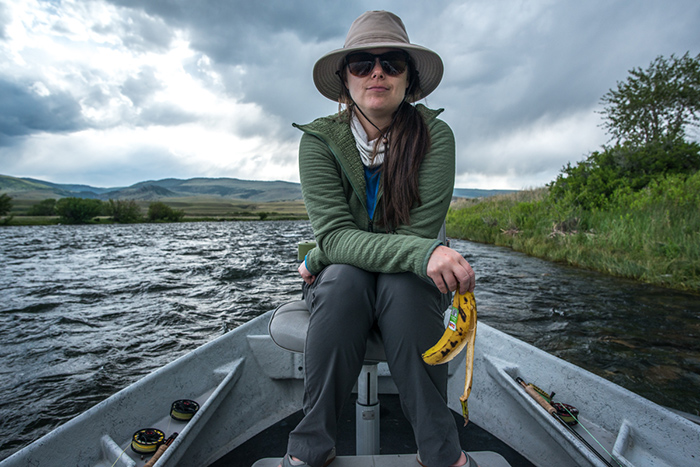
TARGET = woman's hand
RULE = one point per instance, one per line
(449, 270)
(305, 274)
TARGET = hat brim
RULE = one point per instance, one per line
(428, 63)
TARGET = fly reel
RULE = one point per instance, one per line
(183, 410)
(146, 441)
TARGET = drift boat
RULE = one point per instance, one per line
(235, 387)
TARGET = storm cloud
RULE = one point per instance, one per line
(182, 89)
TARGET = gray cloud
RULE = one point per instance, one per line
(234, 31)
(4, 21)
(25, 112)
(521, 86)
(140, 88)
(138, 31)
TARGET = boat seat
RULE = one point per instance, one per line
(290, 321)
(287, 328)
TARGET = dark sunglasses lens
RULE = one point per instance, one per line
(362, 64)
(393, 64)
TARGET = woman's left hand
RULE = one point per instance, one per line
(450, 271)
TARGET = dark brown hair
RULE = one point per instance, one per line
(408, 143)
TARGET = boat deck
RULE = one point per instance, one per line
(396, 440)
(483, 459)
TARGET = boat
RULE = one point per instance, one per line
(244, 382)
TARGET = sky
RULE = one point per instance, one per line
(113, 92)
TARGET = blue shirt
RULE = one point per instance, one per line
(372, 177)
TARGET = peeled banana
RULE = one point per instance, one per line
(460, 331)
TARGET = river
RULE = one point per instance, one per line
(87, 310)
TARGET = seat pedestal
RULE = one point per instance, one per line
(367, 411)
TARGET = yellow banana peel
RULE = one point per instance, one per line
(460, 333)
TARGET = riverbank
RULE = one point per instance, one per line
(652, 236)
(196, 209)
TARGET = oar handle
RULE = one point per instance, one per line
(540, 400)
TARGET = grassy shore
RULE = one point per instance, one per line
(197, 209)
(652, 235)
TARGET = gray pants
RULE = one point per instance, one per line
(345, 302)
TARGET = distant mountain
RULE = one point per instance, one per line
(475, 193)
(153, 190)
(223, 188)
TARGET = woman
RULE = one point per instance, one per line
(377, 180)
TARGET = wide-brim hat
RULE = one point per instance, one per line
(374, 30)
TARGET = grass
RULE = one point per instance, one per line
(197, 209)
(652, 236)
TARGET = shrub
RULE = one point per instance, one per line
(5, 204)
(161, 212)
(124, 211)
(78, 210)
(46, 207)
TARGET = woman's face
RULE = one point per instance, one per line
(378, 93)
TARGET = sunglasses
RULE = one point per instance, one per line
(361, 64)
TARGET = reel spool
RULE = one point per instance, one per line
(183, 410)
(146, 441)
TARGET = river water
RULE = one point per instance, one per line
(87, 310)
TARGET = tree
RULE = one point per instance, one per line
(5, 204)
(160, 211)
(46, 207)
(78, 210)
(124, 211)
(656, 104)
(5, 208)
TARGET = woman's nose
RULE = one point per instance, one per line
(377, 70)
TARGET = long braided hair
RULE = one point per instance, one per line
(408, 143)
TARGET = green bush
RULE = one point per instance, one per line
(5, 204)
(78, 210)
(591, 183)
(46, 207)
(161, 212)
(5, 208)
(124, 211)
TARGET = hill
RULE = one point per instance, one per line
(476, 193)
(154, 190)
(169, 188)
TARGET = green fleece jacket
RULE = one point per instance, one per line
(333, 186)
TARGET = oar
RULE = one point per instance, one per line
(546, 406)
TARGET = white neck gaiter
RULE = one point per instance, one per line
(366, 147)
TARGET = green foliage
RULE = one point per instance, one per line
(161, 212)
(656, 104)
(591, 183)
(46, 207)
(124, 211)
(652, 234)
(5, 204)
(78, 210)
(5, 208)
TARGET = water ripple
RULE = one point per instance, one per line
(87, 310)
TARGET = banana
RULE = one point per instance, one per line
(460, 332)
